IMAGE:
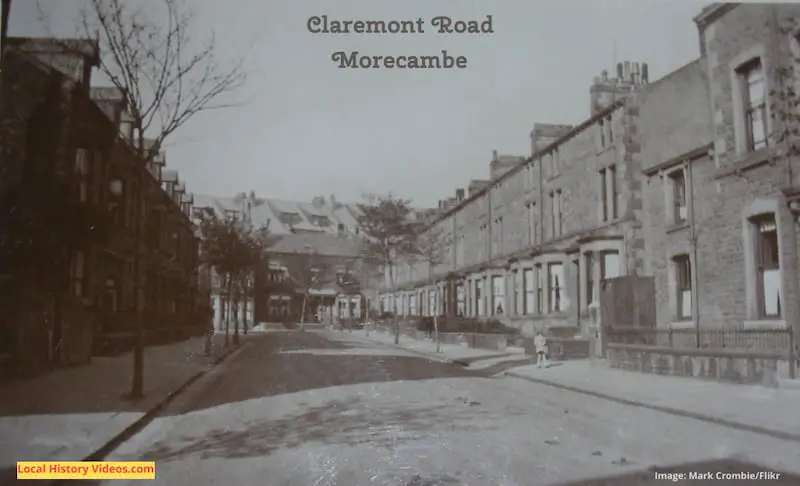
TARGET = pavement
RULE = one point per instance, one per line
(78, 412)
(333, 408)
(756, 408)
(456, 353)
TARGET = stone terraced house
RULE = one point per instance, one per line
(684, 179)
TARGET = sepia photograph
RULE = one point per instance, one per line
(374, 243)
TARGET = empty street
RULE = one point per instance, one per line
(329, 408)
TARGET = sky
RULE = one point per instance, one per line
(305, 127)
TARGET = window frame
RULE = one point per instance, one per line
(589, 261)
(559, 214)
(529, 291)
(603, 195)
(83, 170)
(612, 189)
(540, 282)
(603, 255)
(602, 129)
(555, 288)
(743, 73)
(677, 179)
(763, 263)
(682, 267)
(498, 294)
(553, 214)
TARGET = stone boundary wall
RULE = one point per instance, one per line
(725, 365)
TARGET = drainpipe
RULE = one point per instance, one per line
(5, 12)
(4, 16)
(689, 175)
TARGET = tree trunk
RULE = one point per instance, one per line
(395, 319)
(366, 315)
(137, 384)
(58, 320)
(436, 314)
(228, 287)
(235, 322)
(244, 308)
(303, 310)
(209, 332)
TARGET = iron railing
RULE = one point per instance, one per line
(772, 340)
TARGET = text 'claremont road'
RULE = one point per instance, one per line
(441, 24)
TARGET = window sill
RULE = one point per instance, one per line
(606, 148)
(676, 227)
(747, 161)
(611, 221)
(765, 324)
(680, 325)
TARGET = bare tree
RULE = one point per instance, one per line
(167, 77)
(308, 270)
(259, 240)
(428, 248)
(386, 223)
(349, 278)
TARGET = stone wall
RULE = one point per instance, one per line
(741, 367)
(746, 183)
(561, 348)
(495, 342)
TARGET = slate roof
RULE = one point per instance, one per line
(320, 243)
(307, 215)
(269, 210)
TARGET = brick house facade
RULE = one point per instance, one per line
(331, 267)
(46, 321)
(67, 255)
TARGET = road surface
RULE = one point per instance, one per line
(325, 408)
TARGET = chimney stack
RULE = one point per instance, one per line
(460, 194)
(606, 91)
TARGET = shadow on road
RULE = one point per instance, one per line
(299, 361)
(723, 466)
(102, 386)
(352, 422)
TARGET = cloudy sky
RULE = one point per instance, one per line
(309, 128)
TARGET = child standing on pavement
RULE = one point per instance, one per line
(540, 342)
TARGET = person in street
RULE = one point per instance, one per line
(540, 342)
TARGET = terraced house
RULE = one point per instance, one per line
(691, 179)
(530, 245)
(722, 184)
(323, 230)
(76, 188)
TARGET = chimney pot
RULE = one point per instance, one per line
(619, 70)
(494, 154)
